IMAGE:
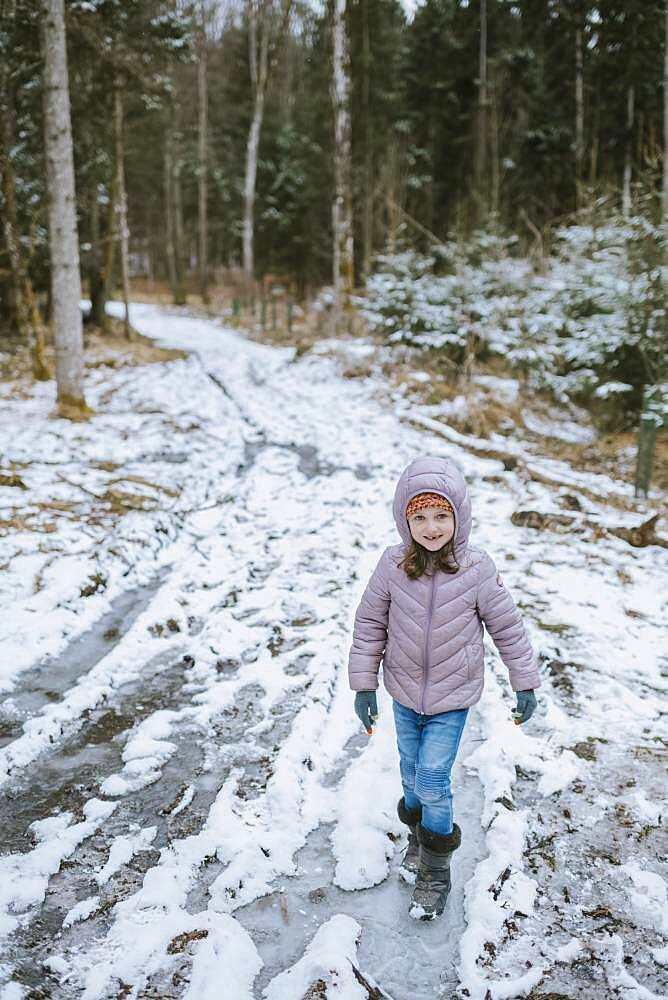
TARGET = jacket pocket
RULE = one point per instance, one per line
(473, 660)
(469, 668)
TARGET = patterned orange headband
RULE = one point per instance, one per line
(424, 500)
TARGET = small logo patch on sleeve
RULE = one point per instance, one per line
(498, 579)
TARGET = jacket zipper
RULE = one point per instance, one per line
(425, 655)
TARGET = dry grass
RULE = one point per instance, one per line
(102, 349)
(612, 454)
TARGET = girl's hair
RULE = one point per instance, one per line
(419, 560)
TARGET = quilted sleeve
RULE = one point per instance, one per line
(504, 623)
(370, 630)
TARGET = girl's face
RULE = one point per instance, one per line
(432, 527)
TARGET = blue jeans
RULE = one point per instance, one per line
(428, 746)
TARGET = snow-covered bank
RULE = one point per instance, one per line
(279, 504)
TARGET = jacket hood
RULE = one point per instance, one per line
(431, 474)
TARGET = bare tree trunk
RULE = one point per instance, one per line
(261, 54)
(495, 155)
(481, 137)
(111, 240)
(594, 139)
(169, 211)
(579, 117)
(180, 297)
(249, 187)
(628, 153)
(367, 233)
(63, 236)
(96, 274)
(342, 211)
(665, 123)
(121, 197)
(391, 197)
(202, 166)
(258, 68)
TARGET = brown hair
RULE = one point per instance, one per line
(419, 560)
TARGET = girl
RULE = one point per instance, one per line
(422, 614)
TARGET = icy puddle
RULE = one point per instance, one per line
(409, 960)
(48, 681)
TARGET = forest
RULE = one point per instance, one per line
(208, 133)
(273, 145)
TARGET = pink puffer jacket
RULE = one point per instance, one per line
(428, 632)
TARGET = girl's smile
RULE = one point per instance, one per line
(432, 527)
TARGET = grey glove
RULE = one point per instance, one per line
(366, 708)
(526, 705)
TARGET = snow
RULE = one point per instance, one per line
(122, 849)
(81, 911)
(270, 479)
(648, 897)
(329, 958)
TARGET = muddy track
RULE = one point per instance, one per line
(69, 776)
(47, 682)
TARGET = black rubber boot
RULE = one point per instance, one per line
(409, 863)
(432, 884)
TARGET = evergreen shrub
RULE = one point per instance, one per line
(591, 329)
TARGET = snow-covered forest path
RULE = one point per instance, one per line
(189, 807)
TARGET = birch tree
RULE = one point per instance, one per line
(342, 210)
(63, 234)
(267, 25)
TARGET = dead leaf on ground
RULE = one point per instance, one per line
(181, 941)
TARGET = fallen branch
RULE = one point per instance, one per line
(640, 536)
